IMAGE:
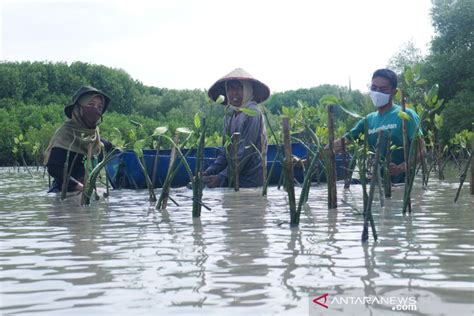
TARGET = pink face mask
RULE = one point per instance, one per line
(91, 116)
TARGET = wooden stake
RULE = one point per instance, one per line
(235, 159)
(405, 148)
(387, 178)
(166, 193)
(155, 162)
(107, 191)
(288, 164)
(197, 181)
(462, 178)
(347, 181)
(331, 171)
(85, 200)
(264, 155)
(368, 218)
(472, 162)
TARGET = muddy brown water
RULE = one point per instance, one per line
(122, 257)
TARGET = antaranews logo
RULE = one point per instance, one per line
(339, 302)
(318, 299)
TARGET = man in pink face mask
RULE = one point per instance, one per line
(78, 135)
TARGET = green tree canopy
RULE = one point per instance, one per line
(451, 62)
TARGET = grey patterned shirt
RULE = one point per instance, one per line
(252, 131)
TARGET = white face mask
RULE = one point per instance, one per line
(379, 99)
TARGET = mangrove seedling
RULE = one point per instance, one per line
(368, 217)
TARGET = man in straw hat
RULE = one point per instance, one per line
(77, 136)
(241, 91)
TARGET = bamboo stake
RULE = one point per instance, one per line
(424, 169)
(107, 191)
(90, 184)
(264, 156)
(270, 173)
(25, 164)
(462, 178)
(155, 162)
(166, 191)
(288, 163)
(368, 210)
(314, 163)
(282, 174)
(307, 182)
(86, 174)
(351, 167)
(66, 174)
(472, 162)
(347, 181)
(235, 159)
(440, 164)
(331, 171)
(268, 176)
(405, 149)
(107, 185)
(363, 164)
(380, 187)
(198, 183)
(318, 174)
(149, 184)
(387, 178)
(174, 169)
(412, 158)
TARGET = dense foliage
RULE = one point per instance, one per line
(33, 94)
(451, 62)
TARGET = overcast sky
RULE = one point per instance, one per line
(186, 44)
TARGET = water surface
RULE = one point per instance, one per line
(122, 257)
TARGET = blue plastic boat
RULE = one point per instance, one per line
(124, 170)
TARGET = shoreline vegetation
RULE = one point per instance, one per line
(33, 96)
(438, 86)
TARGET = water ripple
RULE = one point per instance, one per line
(122, 255)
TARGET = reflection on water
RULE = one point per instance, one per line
(120, 256)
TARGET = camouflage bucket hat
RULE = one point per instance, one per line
(82, 91)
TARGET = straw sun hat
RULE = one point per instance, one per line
(260, 90)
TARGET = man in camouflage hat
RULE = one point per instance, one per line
(241, 91)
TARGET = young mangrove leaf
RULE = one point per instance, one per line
(420, 82)
(403, 115)
(248, 112)
(138, 147)
(432, 96)
(329, 100)
(160, 130)
(137, 124)
(350, 113)
(438, 121)
(408, 75)
(220, 99)
(184, 130)
(197, 120)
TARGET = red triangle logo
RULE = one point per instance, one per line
(323, 304)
